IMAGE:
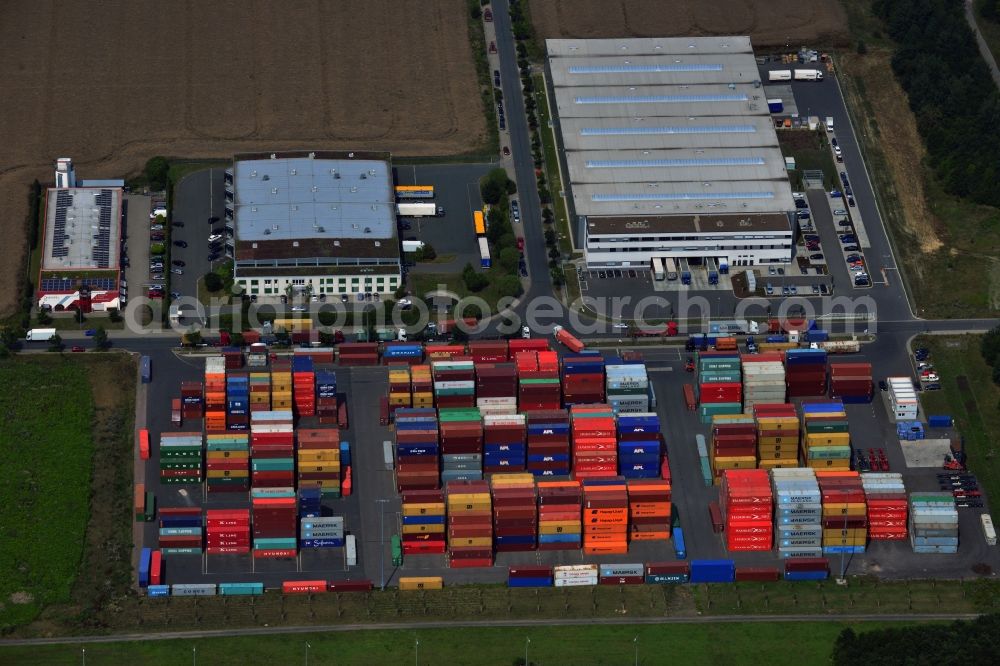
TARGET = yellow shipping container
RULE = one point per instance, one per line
(423, 529)
(421, 583)
(515, 479)
(827, 439)
(227, 474)
(472, 542)
(560, 527)
(785, 452)
(462, 498)
(841, 509)
(425, 509)
(318, 455)
(771, 463)
(471, 506)
(741, 462)
(314, 467)
(784, 440)
(227, 455)
(829, 463)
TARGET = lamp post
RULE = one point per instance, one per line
(527, 642)
(416, 652)
(83, 652)
(635, 644)
(307, 653)
(194, 655)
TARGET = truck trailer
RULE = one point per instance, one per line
(808, 75)
(568, 340)
(40, 334)
(416, 209)
(779, 75)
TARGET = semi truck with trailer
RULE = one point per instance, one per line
(808, 75)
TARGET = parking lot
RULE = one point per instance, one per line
(456, 189)
(198, 198)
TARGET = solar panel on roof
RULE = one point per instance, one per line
(681, 196)
(692, 162)
(642, 69)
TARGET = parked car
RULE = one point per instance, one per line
(793, 289)
(852, 257)
(515, 209)
(850, 202)
(180, 243)
(213, 256)
(785, 291)
(175, 295)
(843, 223)
(156, 227)
(781, 271)
(771, 271)
(852, 248)
(213, 219)
(506, 151)
(77, 348)
(177, 223)
(848, 238)
(214, 237)
(177, 271)
(816, 257)
(801, 203)
(840, 211)
(769, 289)
(836, 194)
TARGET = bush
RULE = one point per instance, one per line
(509, 285)
(494, 186)
(550, 236)
(213, 282)
(475, 12)
(157, 248)
(426, 253)
(509, 258)
(990, 346)
(157, 171)
(862, 47)
(474, 281)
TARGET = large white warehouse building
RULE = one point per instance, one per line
(670, 151)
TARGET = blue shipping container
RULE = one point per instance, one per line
(939, 421)
(713, 571)
(145, 558)
(146, 369)
(679, 543)
(158, 591)
(529, 582)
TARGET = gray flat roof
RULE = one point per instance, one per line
(648, 46)
(718, 223)
(82, 228)
(709, 164)
(294, 198)
(682, 197)
(701, 100)
(665, 132)
(653, 70)
(671, 126)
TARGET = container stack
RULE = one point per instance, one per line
(649, 509)
(902, 398)
(443, 352)
(281, 385)
(215, 394)
(763, 379)
(595, 453)
(272, 447)
(805, 372)
(227, 531)
(559, 515)
(489, 351)
(583, 379)
(180, 531)
(421, 386)
(357, 353)
(933, 523)
(747, 509)
(496, 388)
(851, 382)
(777, 435)
(885, 496)
(627, 388)
(733, 444)
(454, 384)
(720, 384)
(260, 391)
(400, 387)
(470, 524)
(238, 400)
(515, 512)
(180, 457)
(318, 457)
(233, 357)
(321, 532)
(326, 397)
(418, 455)
(317, 354)
(605, 517)
(410, 353)
(538, 386)
(505, 446)
(548, 442)
(274, 522)
(845, 514)
(423, 522)
(310, 502)
(798, 512)
(639, 454)
(227, 465)
(192, 400)
(826, 442)
(461, 444)
(303, 386)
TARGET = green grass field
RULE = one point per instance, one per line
(45, 467)
(969, 395)
(771, 643)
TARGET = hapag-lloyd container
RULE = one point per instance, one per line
(575, 575)
(746, 507)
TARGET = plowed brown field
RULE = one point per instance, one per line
(113, 83)
(768, 22)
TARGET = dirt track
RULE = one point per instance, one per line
(768, 22)
(111, 84)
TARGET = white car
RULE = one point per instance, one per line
(619, 327)
(214, 237)
(177, 271)
(525, 332)
(405, 303)
(298, 308)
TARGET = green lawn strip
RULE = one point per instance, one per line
(709, 644)
(552, 166)
(45, 464)
(974, 402)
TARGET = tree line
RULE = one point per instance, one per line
(973, 642)
(951, 93)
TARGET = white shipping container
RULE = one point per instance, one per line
(351, 546)
(988, 530)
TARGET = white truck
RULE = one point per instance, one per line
(829, 123)
(779, 75)
(40, 334)
(416, 209)
(808, 75)
(412, 245)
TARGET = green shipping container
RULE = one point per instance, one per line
(150, 509)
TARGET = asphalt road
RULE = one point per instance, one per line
(984, 48)
(550, 622)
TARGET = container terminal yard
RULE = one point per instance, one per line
(404, 464)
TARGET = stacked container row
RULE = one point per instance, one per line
(560, 526)
(826, 441)
(180, 457)
(649, 509)
(845, 514)
(423, 522)
(777, 435)
(885, 497)
(319, 464)
(851, 382)
(798, 513)
(227, 531)
(418, 456)
(304, 386)
(181, 531)
(326, 397)
(763, 379)
(470, 524)
(595, 452)
(357, 353)
(605, 517)
(515, 512)
(548, 442)
(720, 384)
(805, 372)
(227, 462)
(454, 383)
(933, 523)
(733, 444)
(747, 509)
(539, 387)
(639, 445)
(461, 444)
(583, 379)
(275, 514)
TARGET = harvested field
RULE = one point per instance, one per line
(111, 84)
(769, 24)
